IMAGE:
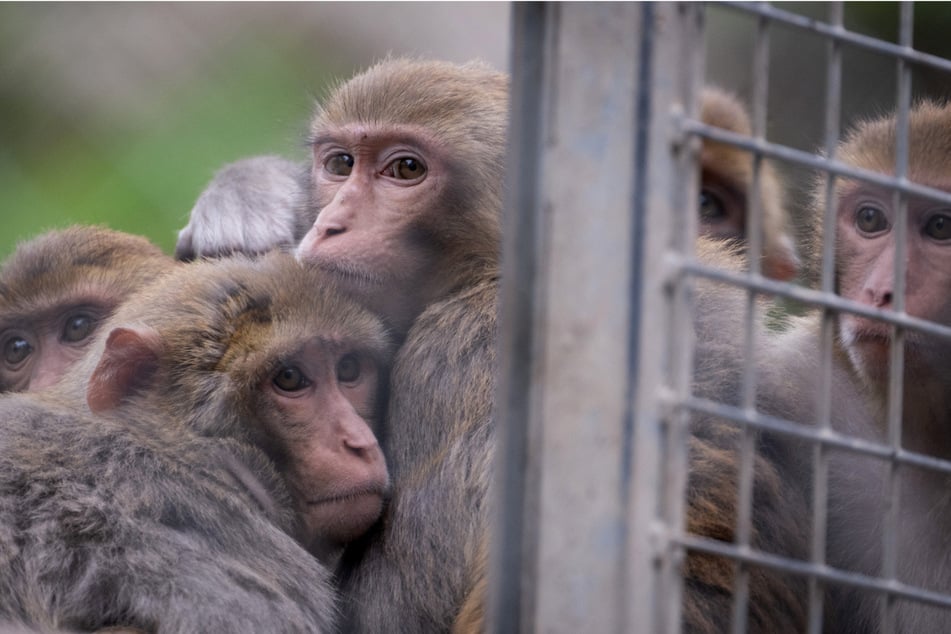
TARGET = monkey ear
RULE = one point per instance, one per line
(127, 364)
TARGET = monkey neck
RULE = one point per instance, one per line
(926, 417)
(926, 410)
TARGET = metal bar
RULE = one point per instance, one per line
(805, 432)
(579, 409)
(754, 234)
(767, 286)
(807, 159)
(820, 482)
(512, 566)
(896, 51)
(673, 161)
(795, 566)
(896, 362)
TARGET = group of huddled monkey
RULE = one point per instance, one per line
(288, 427)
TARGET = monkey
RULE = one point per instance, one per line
(205, 464)
(55, 292)
(865, 252)
(788, 386)
(725, 180)
(270, 193)
(407, 176)
(257, 204)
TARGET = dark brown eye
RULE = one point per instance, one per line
(78, 327)
(939, 227)
(870, 220)
(348, 369)
(339, 164)
(16, 349)
(406, 168)
(290, 379)
(712, 208)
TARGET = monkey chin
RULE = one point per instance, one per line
(869, 349)
(340, 519)
(352, 275)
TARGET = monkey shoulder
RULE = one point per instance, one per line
(452, 343)
(54, 458)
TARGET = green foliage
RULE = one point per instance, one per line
(144, 177)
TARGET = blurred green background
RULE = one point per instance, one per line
(120, 113)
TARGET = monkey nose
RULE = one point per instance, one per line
(879, 298)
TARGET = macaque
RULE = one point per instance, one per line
(55, 292)
(866, 243)
(407, 178)
(206, 462)
(268, 193)
(725, 181)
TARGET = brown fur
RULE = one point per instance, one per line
(728, 174)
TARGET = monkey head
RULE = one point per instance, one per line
(407, 174)
(268, 352)
(56, 290)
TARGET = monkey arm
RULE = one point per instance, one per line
(105, 524)
(251, 206)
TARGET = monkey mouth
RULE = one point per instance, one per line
(871, 338)
(349, 273)
(348, 497)
(342, 517)
(860, 331)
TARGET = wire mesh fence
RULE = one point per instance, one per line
(693, 446)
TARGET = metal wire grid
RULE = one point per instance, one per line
(529, 592)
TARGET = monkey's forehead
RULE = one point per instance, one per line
(871, 144)
(252, 303)
(440, 96)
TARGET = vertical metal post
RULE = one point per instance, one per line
(820, 456)
(512, 570)
(582, 366)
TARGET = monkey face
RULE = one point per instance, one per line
(380, 192)
(38, 349)
(866, 250)
(319, 400)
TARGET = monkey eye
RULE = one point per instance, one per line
(939, 227)
(78, 327)
(870, 220)
(16, 349)
(339, 164)
(348, 368)
(405, 168)
(290, 379)
(712, 208)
